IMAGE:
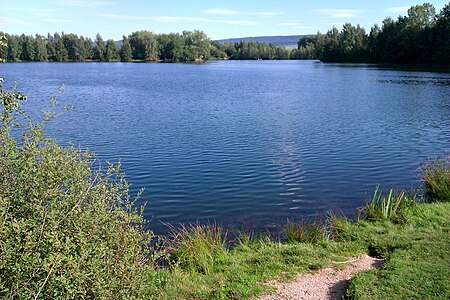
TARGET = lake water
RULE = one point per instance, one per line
(248, 144)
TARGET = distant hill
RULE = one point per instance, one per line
(288, 40)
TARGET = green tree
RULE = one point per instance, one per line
(27, 47)
(170, 46)
(442, 36)
(144, 45)
(421, 16)
(100, 48)
(331, 50)
(60, 50)
(217, 51)
(111, 51)
(40, 48)
(88, 48)
(196, 45)
(74, 46)
(51, 47)
(282, 53)
(125, 50)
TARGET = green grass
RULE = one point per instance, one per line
(305, 231)
(387, 206)
(416, 253)
(240, 272)
(436, 179)
(415, 249)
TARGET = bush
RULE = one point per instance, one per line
(66, 230)
(436, 178)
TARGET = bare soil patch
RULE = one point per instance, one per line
(329, 283)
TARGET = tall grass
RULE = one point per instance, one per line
(198, 247)
(304, 231)
(436, 178)
(387, 206)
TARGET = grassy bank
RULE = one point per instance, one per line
(68, 230)
(414, 242)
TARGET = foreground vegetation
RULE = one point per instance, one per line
(69, 229)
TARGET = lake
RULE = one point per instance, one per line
(248, 144)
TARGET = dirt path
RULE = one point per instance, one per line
(329, 283)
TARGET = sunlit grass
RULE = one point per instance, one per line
(387, 206)
(436, 179)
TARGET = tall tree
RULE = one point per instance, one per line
(60, 50)
(40, 48)
(14, 48)
(196, 45)
(125, 50)
(74, 46)
(100, 48)
(170, 46)
(144, 45)
(111, 51)
(442, 36)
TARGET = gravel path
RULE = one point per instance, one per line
(329, 283)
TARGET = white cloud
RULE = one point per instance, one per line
(337, 25)
(338, 13)
(399, 9)
(31, 9)
(238, 22)
(56, 21)
(174, 19)
(87, 3)
(220, 11)
(14, 21)
(231, 12)
(266, 14)
(293, 24)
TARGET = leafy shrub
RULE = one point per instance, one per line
(66, 230)
(436, 178)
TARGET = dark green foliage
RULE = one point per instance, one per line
(196, 45)
(125, 50)
(436, 178)
(420, 37)
(111, 51)
(40, 48)
(139, 46)
(99, 48)
(66, 230)
(143, 45)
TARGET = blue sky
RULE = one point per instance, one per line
(218, 19)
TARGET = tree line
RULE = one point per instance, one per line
(422, 36)
(138, 46)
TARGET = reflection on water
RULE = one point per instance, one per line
(248, 144)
